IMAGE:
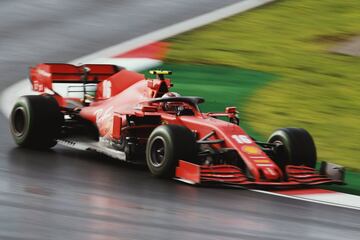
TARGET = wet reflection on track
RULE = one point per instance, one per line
(76, 194)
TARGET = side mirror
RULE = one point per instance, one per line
(233, 115)
(231, 110)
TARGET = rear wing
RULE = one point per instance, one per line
(44, 75)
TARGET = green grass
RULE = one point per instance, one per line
(315, 89)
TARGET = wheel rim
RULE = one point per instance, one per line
(157, 152)
(19, 121)
(283, 157)
(278, 143)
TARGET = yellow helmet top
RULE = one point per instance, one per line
(160, 72)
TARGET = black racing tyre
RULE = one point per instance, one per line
(167, 145)
(35, 121)
(295, 147)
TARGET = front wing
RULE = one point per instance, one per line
(297, 176)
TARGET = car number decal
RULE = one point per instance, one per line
(106, 89)
(241, 139)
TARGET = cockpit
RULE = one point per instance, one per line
(179, 105)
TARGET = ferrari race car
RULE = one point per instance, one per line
(113, 111)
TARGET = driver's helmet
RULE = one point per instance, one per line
(172, 106)
(171, 94)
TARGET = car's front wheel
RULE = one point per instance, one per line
(167, 145)
(294, 146)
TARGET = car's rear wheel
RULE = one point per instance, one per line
(294, 146)
(167, 145)
(35, 121)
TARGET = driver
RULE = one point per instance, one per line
(172, 106)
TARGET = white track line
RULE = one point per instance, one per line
(9, 95)
(134, 64)
(176, 29)
(334, 199)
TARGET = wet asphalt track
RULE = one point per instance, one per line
(66, 194)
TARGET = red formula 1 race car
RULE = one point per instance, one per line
(120, 113)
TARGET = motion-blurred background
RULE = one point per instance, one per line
(287, 63)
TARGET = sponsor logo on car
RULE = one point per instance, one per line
(251, 150)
